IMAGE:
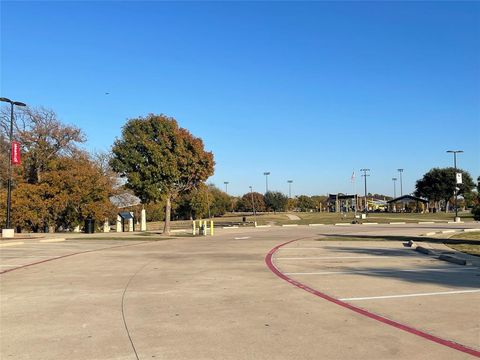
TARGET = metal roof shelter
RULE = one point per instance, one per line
(407, 198)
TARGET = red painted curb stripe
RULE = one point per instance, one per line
(65, 256)
(448, 343)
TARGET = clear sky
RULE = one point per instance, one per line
(309, 91)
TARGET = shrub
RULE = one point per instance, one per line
(476, 212)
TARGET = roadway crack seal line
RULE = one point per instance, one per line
(123, 307)
(68, 255)
(359, 310)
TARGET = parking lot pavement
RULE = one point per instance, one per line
(215, 298)
(396, 282)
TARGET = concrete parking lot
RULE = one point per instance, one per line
(217, 298)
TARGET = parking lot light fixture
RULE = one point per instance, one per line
(9, 182)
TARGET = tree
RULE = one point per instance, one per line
(160, 160)
(276, 201)
(439, 184)
(43, 137)
(305, 203)
(320, 202)
(245, 203)
(476, 208)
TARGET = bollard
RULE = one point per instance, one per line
(119, 224)
(143, 221)
(211, 227)
(205, 227)
(194, 230)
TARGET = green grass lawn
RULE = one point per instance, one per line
(316, 218)
(471, 247)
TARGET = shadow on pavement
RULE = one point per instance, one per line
(435, 272)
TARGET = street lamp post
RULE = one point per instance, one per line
(226, 186)
(266, 173)
(9, 183)
(365, 177)
(290, 188)
(394, 187)
(253, 206)
(455, 152)
(401, 183)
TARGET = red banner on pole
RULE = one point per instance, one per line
(16, 160)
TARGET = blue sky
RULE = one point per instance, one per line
(309, 91)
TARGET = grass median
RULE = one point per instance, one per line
(471, 244)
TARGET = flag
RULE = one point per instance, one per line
(16, 160)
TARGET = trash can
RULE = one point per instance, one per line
(244, 218)
(89, 225)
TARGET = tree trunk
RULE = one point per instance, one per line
(168, 207)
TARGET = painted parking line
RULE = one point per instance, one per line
(242, 238)
(412, 295)
(332, 257)
(52, 240)
(12, 243)
(378, 271)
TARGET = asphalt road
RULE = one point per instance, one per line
(218, 298)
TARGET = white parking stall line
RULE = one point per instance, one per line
(379, 271)
(332, 257)
(412, 295)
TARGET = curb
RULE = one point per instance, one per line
(289, 225)
(343, 224)
(423, 250)
(316, 224)
(454, 260)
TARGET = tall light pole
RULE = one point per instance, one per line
(226, 186)
(401, 184)
(266, 173)
(365, 177)
(290, 188)
(455, 152)
(253, 202)
(394, 187)
(9, 183)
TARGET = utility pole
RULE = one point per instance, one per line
(266, 173)
(394, 187)
(458, 180)
(365, 179)
(401, 183)
(253, 206)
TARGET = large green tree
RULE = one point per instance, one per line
(305, 203)
(276, 201)
(160, 160)
(439, 184)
